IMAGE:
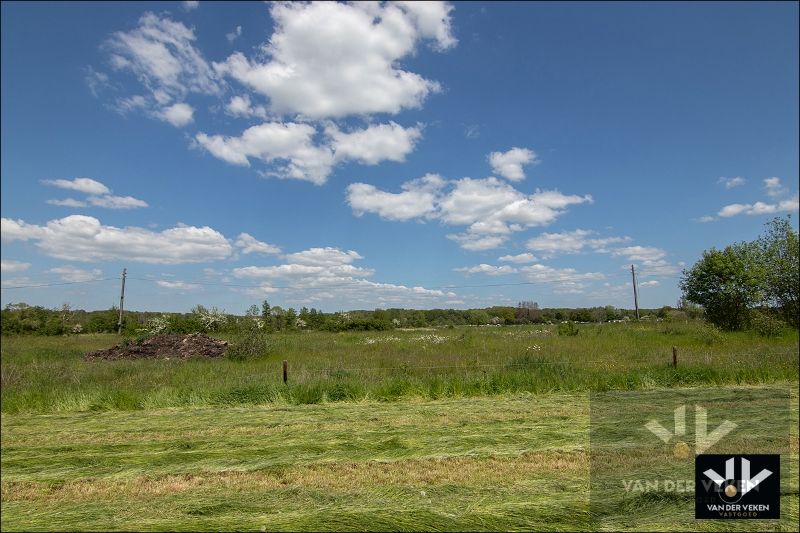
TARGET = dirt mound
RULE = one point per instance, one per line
(168, 346)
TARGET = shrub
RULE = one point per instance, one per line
(567, 329)
(765, 324)
(249, 343)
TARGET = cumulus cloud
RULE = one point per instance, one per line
(84, 185)
(275, 141)
(76, 275)
(774, 188)
(319, 274)
(490, 208)
(417, 199)
(519, 258)
(571, 242)
(651, 260)
(99, 195)
(330, 60)
(760, 208)
(160, 53)
(178, 115)
(8, 266)
(83, 238)
(240, 106)
(730, 183)
(235, 34)
(178, 285)
(509, 164)
(376, 143)
(490, 270)
(67, 202)
(249, 244)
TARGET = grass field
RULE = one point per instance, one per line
(366, 436)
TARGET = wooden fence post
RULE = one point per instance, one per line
(285, 372)
(674, 357)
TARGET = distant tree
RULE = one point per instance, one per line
(727, 283)
(781, 257)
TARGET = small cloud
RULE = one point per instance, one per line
(519, 258)
(249, 244)
(235, 34)
(472, 131)
(180, 285)
(178, 115)
(67, 202)
(116, 202)
(730, 183)
(76, 275)
(8, 266)
(704, 219)
(190, 5)
(648, 284)
(774, 188)
(509, 164)
(84, 185)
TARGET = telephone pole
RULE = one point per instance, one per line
(121, 301)
(635, 293)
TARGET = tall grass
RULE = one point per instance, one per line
(41, 374)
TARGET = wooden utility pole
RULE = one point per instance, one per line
(635, 292)
(121, 301)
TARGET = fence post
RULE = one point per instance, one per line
(285, 371)
(674, 357)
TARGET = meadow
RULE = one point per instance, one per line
(466, 428)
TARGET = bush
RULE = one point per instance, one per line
(765, 324)
(249, 343)
(567, 329)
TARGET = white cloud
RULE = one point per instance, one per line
(418, 199)
(8, 266)
(492, 209)
(178, 115)
(477, 243)
(330, 60)
(77, 275)
(327, 256)
(235, 34)
(489, 270)
(84, 185)
(84, 238)
(519, 258)
(116, 202)
(249, 244)
(760, 208)
(704, 219)
(509, 164)
(320, 274)
(774, 188)
(730, 183)
(179, 285)
(648, 284)
(275, 141)
(240, 106)
(67, 202)
(161, 54)
(190, 5)
(640, 253)
(376, 143)
(571, 242)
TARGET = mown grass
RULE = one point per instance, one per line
(511, 462)
(47, 374)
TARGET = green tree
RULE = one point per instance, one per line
(781, 257)
(727, 283)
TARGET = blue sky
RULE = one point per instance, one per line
(387, 155)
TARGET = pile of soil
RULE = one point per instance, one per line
(167, 346)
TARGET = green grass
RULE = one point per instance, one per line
(448, 429)
(48, 374)
(512, 462)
